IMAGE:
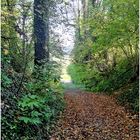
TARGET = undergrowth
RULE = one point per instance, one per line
(31, 112)
(130, 97)
(124, 73)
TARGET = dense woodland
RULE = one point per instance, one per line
(31, 91)
(105, 59)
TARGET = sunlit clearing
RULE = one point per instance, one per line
(65, 77)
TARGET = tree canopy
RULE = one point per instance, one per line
(36, 38)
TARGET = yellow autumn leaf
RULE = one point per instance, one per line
(6, 51)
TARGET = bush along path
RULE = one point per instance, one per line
(94, 117)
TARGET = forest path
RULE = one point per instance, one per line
(94, 117)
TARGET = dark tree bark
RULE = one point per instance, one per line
(93, 2)
(41, 30)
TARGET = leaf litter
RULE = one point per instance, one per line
(91, 116)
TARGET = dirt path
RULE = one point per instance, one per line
(94, 117)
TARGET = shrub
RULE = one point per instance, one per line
(124, 73)
(30, 113)
(130, 96)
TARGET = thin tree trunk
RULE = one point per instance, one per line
(79, 30)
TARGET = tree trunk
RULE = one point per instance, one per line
(41, 30)
(85, 16)
(78, 21)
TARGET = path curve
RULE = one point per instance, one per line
(94, 117)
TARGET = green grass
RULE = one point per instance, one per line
(71, 85)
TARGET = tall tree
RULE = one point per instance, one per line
(41, 30)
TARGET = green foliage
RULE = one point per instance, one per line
(35, 109)
(118, 77)
(96, 81)
(42, 104)
(38, 110)
(130, 96)
(76, 74)
(106, 57)
(9, 101)
(32, 97)
(6, 81)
